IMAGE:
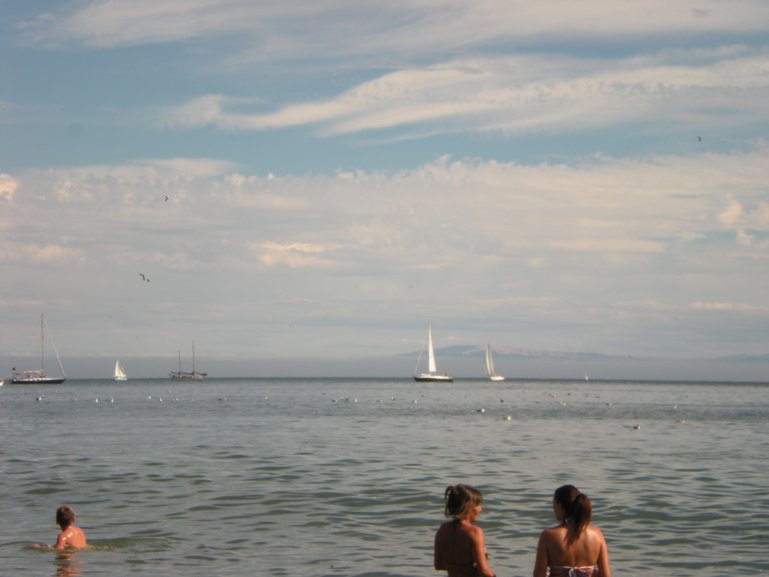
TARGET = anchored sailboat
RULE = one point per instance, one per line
(432, 373)
(490, 372)
(37, 376)
(119, 372)
(181, 375)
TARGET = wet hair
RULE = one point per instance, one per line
(65, 516)
(459, 500)
(577, 508)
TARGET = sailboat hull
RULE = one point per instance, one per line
(37, 380)
(429, 377)
(182, 376)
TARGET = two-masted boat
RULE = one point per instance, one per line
(181, 375)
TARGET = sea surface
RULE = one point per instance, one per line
(343, 477)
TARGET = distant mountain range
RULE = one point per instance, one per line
(500, 352)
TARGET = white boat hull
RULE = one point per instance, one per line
(427, 377)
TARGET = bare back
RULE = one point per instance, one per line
(71, 537)
(556, 550)
(460, 550)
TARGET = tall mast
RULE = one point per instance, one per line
(42, 346)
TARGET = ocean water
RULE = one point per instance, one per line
(345, 476)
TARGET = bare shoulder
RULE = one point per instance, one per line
(552, 533)
(595, 532)
(475, 531)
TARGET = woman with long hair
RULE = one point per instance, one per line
(573, 548)
(459, 547)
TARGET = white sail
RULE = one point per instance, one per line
(430, 352)
(490, 371)
(120, 374)
(432, 373)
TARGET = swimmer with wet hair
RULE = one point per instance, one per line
(459, 546)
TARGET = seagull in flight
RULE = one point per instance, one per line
(144, 278)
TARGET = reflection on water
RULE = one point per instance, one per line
(68, 563)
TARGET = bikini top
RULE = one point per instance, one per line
(561, 571)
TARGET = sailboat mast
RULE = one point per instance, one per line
(193, 357)
(42, 346)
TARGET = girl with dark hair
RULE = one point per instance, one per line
(459, 546)
(573, 548)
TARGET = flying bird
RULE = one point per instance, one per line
(699, 139)
(166, 200)
(144, 278)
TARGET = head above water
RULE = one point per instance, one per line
(65, 516)
(577, 508)
(460, 500)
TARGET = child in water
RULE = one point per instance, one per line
(71, 536)
(459, 546)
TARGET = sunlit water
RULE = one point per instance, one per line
(345, 477)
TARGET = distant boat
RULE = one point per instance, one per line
(181, 375)
(432, 373)
(490, 372)
(37, 376)
(119, 373)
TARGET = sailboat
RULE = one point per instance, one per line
(432, 373)
(37, 376)
(490, 372)
(119, 372)
(181, 375)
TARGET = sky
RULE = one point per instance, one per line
(306, 181)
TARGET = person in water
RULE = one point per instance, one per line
(573, 548)
(71, 536)
(459, 546)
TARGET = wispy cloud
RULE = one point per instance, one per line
(512, 95)
(294, 27)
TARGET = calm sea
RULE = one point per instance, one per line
(248, 477)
